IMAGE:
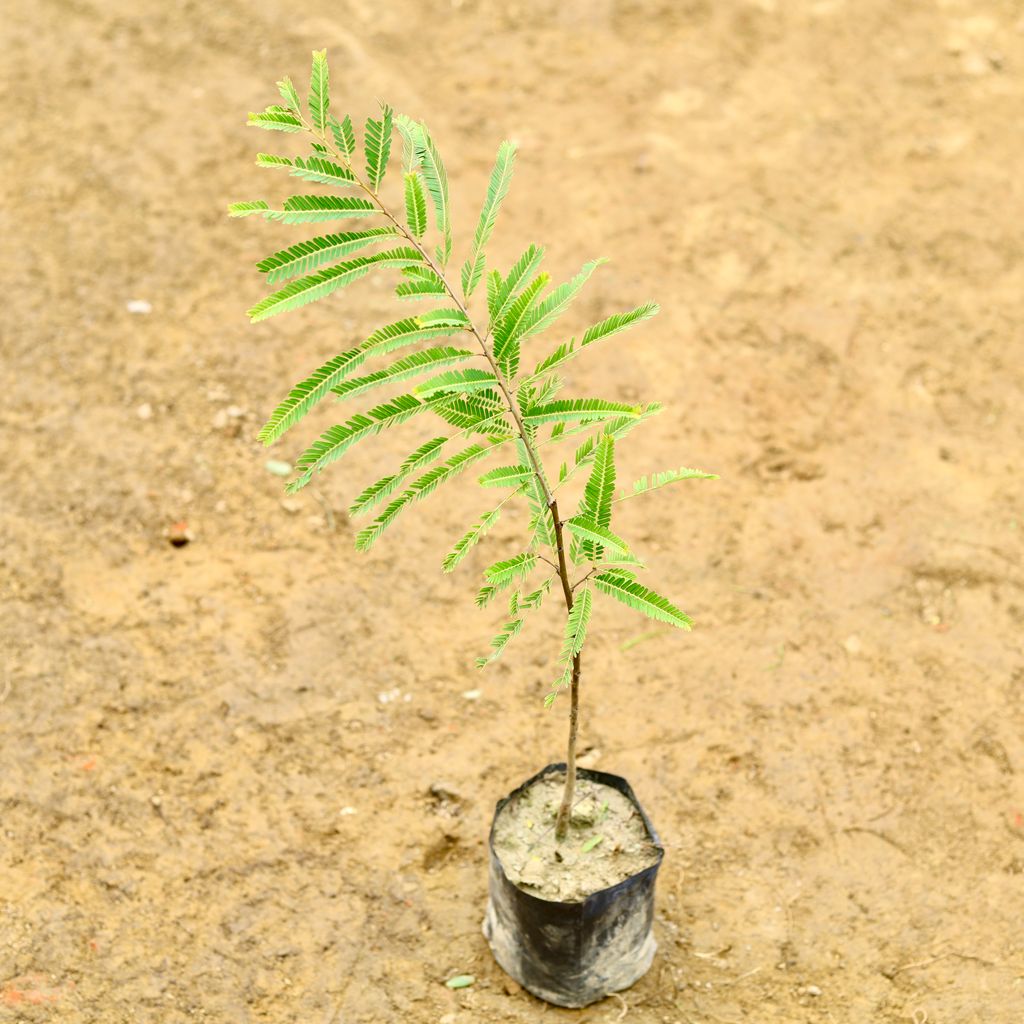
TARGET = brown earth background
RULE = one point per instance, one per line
(209, 813)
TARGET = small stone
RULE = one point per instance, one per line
(235, 411)
(179, 534)
(533, 872)
(220, 419)
(144, 411)
(278, 468)
(853, 645)
(584, 813)
(813, 990)
(291, 505)
(346, 811)
(472, 694)
(139, 306)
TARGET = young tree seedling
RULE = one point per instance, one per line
(476, 374)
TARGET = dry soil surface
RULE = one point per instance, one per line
(216, 760)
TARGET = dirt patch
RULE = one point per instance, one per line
(607, 841)
(209, 814)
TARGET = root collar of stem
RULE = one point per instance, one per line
(565, 810)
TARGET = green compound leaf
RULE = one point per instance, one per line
(598, 493)
(469, 539)
(387, 485)
(319, 92)
(623, 587)
(497, 189)
(507, 291)
(508, 633)
(276, 119)
(436, 177)
(402, 369)
(333, 443)
(509, 570)
(377, 146)
(669, 476)
(599, 536)
(605, 329)
(419, 489)
(585, 409)
(344, 136)
(576, 624)
(308, 392)
(289, 95)
(506, 476)
(309, 209)
(415, 205)
(462, 381)
(322, 283)
(306, 256)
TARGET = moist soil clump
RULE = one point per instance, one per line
(607, 841)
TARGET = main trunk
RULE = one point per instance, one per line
(565, 811)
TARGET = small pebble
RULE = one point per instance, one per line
(278, 468)
(144, 411)
(472, 694)
(813, 990)
(346, 811)
(853, 645)
(140, 306)
(179, 534)
(291, 505)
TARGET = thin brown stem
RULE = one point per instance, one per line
(565, 811)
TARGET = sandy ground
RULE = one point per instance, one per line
(208, 814)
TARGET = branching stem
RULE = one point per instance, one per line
(562, 822)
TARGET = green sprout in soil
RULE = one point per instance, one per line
(471, 353)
